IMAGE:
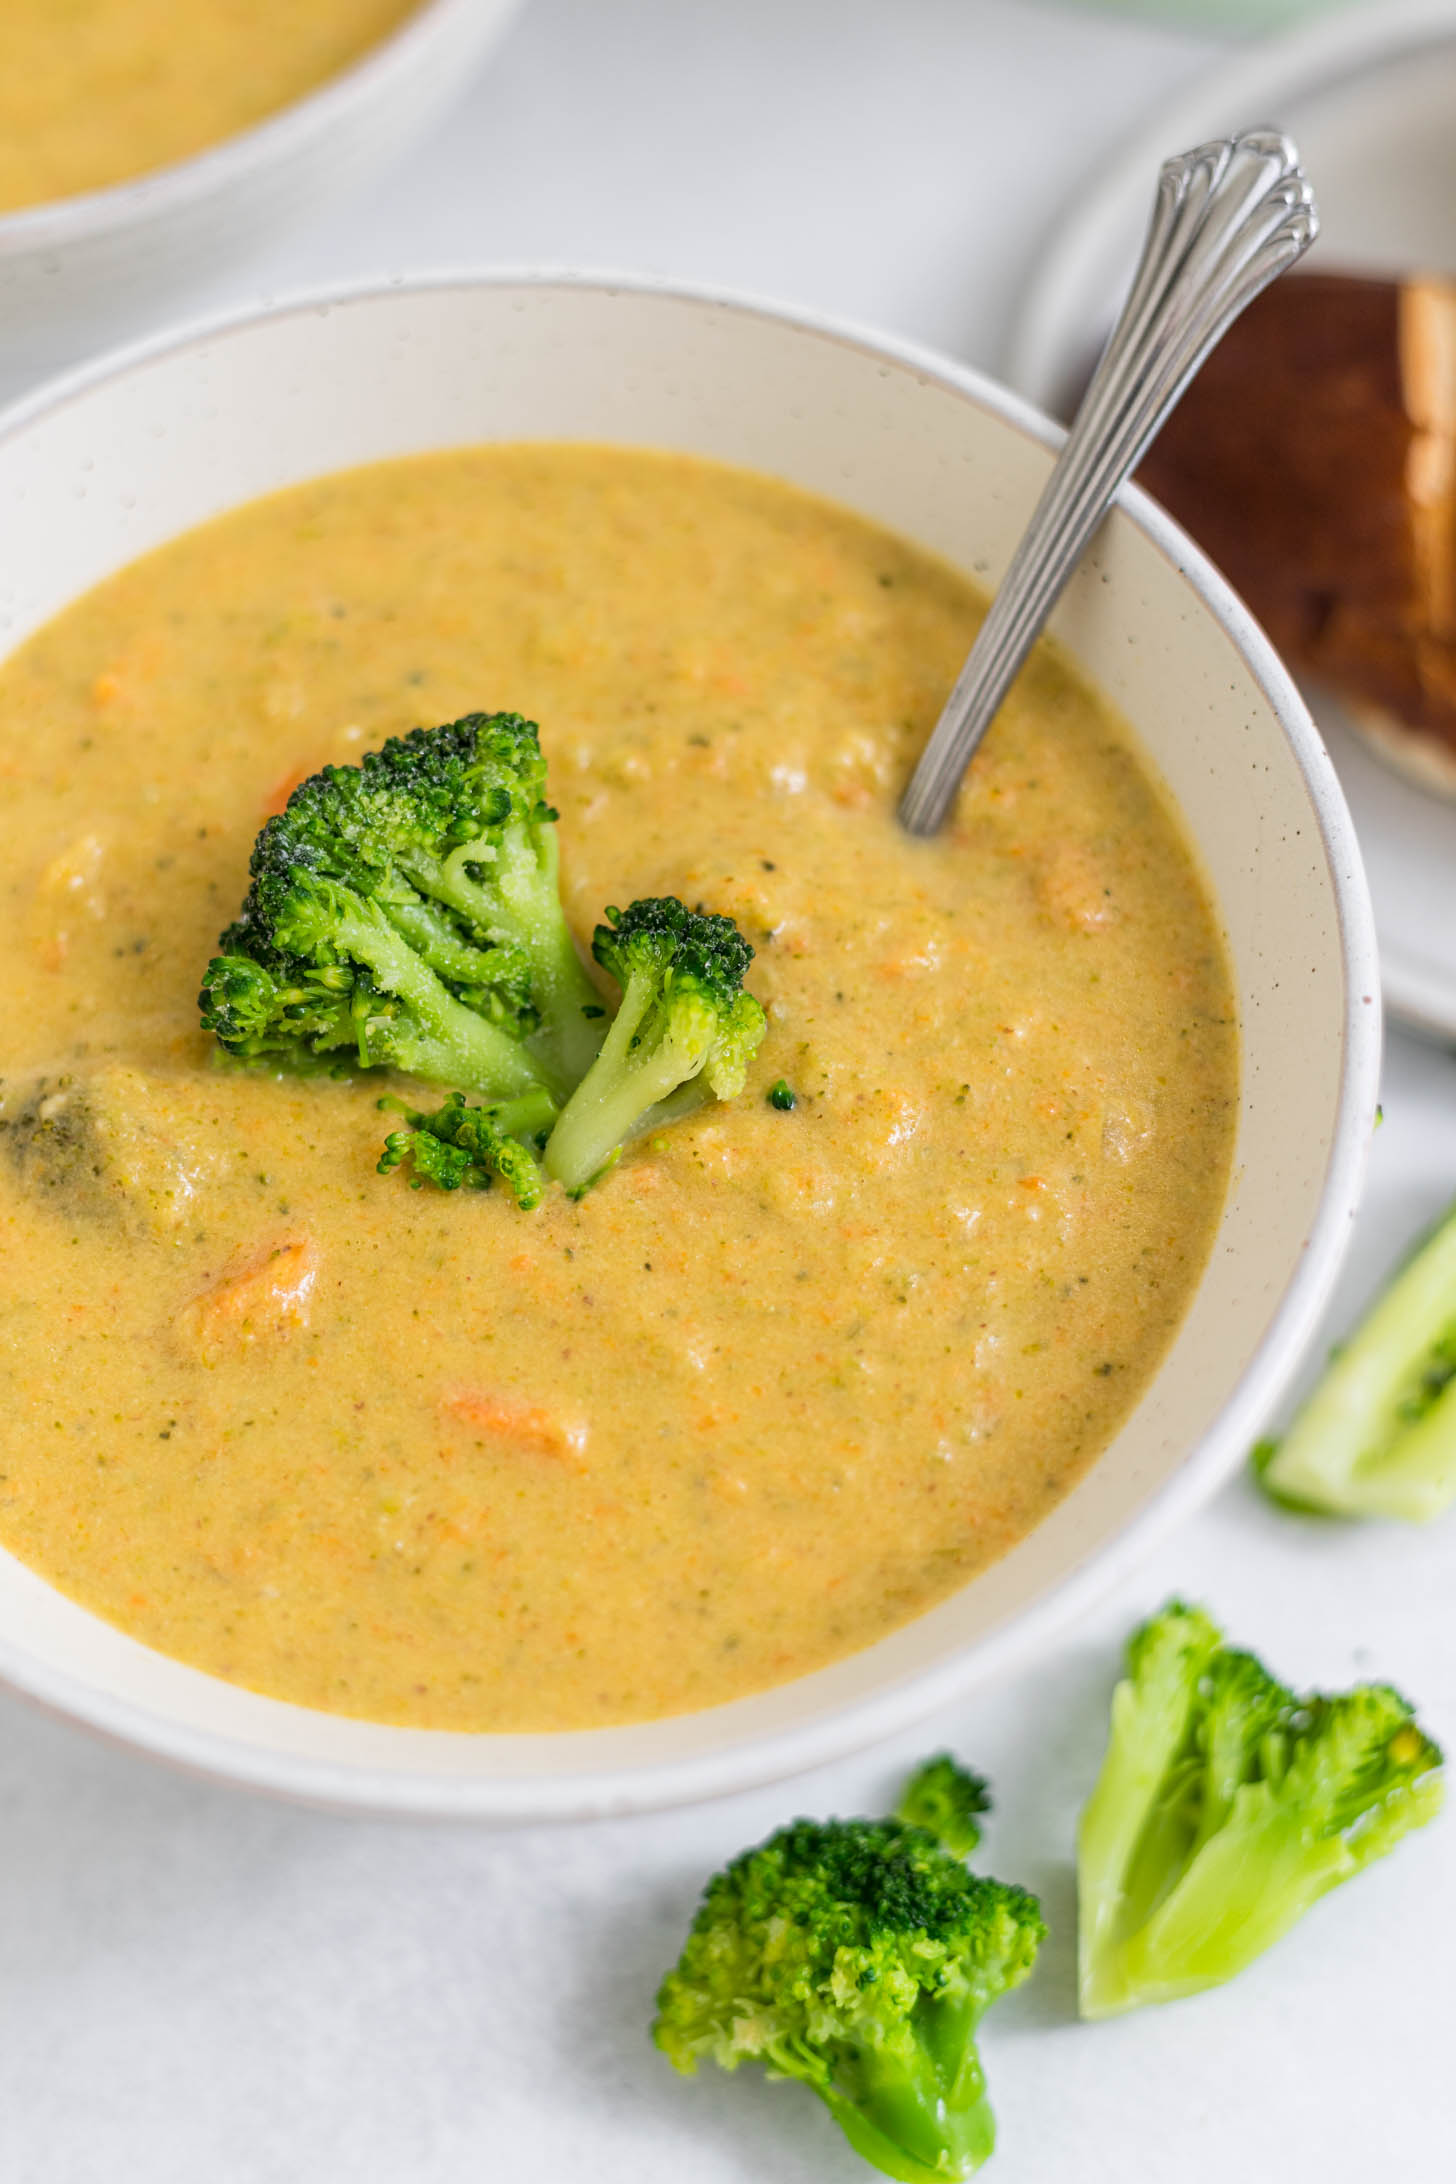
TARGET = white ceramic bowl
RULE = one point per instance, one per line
(126, 454)
(88, 270)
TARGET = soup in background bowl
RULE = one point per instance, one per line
(150, 147)
(690, 636)
(99, 94)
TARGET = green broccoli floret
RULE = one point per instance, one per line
(948, 1800)
(685, 1032)
(859, 1957)
(405, 910)
(1378, 1436)
(459, 1145)
(1226, 1806)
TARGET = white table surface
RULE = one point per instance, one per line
(198, 1987)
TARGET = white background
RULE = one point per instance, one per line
(201, 1988)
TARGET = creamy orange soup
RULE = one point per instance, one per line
(784, 1379)
(96, 91)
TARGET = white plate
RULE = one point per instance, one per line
(1370, 99)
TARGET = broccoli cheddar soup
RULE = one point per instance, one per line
(789, 1374)
(95, 91)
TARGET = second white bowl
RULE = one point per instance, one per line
(87, 270)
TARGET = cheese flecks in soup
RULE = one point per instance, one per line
(786, 1378)
(96, 91)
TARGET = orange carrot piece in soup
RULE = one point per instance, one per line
(528, 1426)
(267, 1295)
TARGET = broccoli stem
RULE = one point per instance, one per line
(527, 1118)
(1117, 1858)
(897, 2114)
(569, 1039)
(526, 882)
(1378, 1436)
(1244, 1889)
(457, 1046)
(620, 1095)
(530, 881)
(422, 925)
(687, 1100)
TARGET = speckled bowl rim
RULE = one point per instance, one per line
(842, 1729)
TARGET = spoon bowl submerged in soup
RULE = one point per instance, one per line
(787, 1377)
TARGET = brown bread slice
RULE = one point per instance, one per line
(1315, 458)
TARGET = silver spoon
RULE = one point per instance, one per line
(1229, 217)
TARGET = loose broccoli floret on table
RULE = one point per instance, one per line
(472, 1147)
(1377, 1438)
(405, 911)
(859, 1957)
(684, 1034)
(948, 1800)
(1226, 1806)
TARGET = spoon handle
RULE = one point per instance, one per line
(1228, 218)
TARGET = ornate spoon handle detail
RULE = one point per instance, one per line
(1229, 217)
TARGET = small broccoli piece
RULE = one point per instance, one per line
(1226, 1806)
(50, 1135)
(110, 1145)
(472, 1146)
(948, 1800)
(859, 1957)
(685, 1032)
(782, 1095)
(405, 911)
(1377, 1438)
